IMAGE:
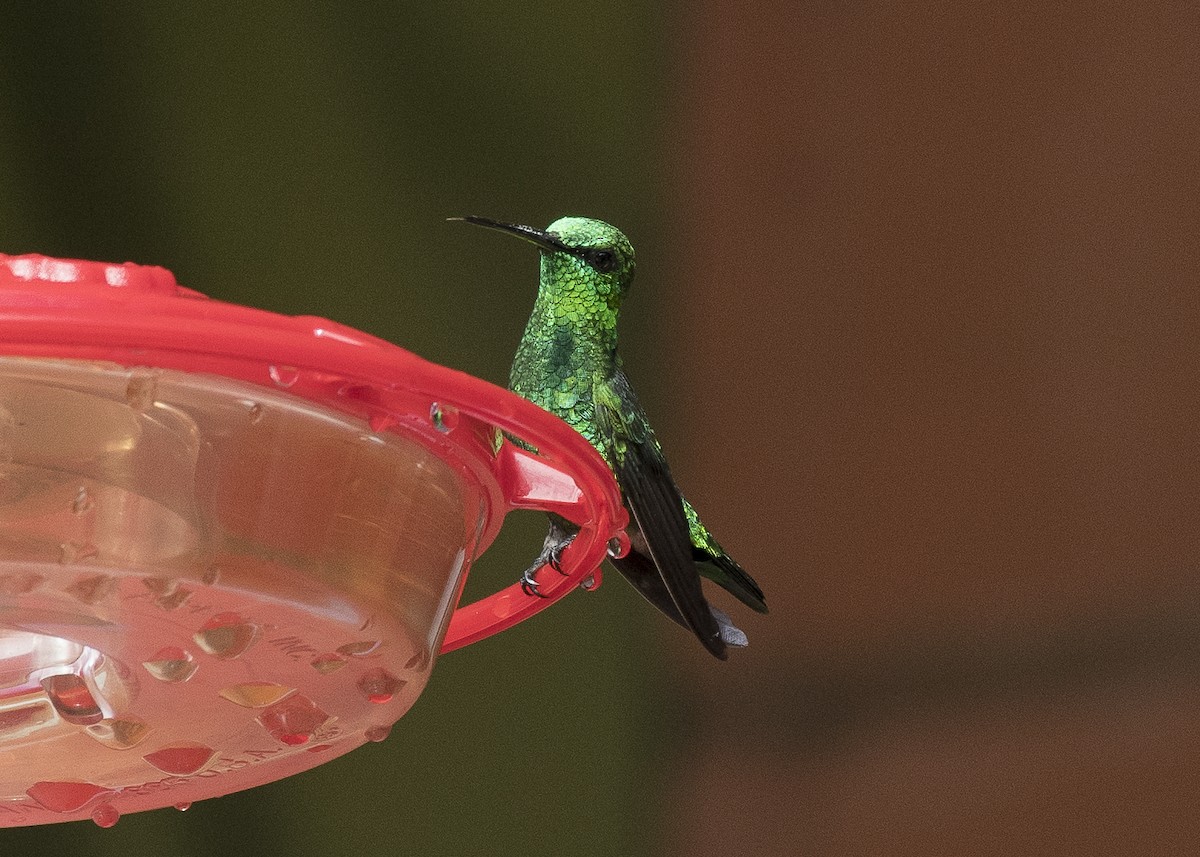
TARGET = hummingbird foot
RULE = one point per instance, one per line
(529, 584)
(731, 634)
(552, 550)
(556, 552)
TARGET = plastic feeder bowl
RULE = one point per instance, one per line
(232, 543)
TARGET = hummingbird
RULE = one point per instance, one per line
(567, 363)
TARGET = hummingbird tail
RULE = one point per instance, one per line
(722, 570)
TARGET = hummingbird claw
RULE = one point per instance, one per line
(551, 555)
(556, 552)
(529, 584)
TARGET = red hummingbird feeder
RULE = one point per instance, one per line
(232, 543)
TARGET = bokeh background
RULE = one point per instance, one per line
(916, 318)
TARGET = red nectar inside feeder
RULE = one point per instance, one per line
(232, 543)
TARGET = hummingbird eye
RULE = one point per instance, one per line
(604, 261)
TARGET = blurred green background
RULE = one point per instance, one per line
(302, 158)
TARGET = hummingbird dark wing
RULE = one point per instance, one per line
(657, 508)
(638, 568)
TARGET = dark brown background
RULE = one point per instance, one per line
(951, 320)
(916, 318)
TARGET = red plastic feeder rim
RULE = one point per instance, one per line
(139, 316)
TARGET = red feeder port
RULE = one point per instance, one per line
(230, 539)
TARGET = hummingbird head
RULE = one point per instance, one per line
(584, 261)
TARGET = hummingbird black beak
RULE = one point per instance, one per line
(544, 240)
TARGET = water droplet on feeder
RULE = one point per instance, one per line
(20, 583)
(293, 721)
(167, 592)
(171, 664)
(91, 589)
(141, 390)
(105, 815)
(379, 685)
(418, 661)
(360, 649)
(255, 694)
(378, 733)
(183, 806)
(284, 376)
(82, 502)
(181, 759)
(443, 417)
(327, 663)
(120, 733)
(255, 413)
(618, 545)
(226, 635)
(65, 796)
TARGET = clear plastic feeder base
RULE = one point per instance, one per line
(232, 544)
(206, 585)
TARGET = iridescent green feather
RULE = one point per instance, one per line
(567, 359)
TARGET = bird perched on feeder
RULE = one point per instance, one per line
(567, 363)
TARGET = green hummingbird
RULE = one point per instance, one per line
(567, 363)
